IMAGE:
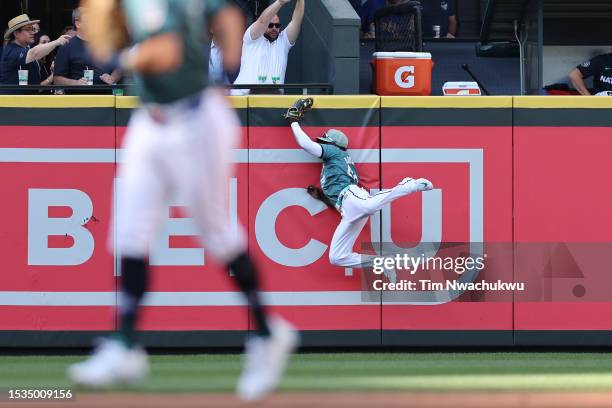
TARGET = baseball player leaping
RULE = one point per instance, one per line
(179, 144)
(340, 187)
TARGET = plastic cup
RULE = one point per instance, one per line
(23, 76)
(88, 74)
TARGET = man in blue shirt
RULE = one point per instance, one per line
(73, 59)
(17, 54)
(439, 13)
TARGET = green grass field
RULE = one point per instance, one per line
(349, 371)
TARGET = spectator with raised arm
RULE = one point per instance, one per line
(17, 54)
(265, 46)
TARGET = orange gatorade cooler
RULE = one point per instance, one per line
(402, 73)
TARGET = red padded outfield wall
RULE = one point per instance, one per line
(57, 167)
(521, 179)
(464, 146)
(563, 224)
(290, 232)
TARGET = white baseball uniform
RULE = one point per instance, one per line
(187, 155)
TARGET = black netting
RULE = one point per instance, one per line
(398, 28)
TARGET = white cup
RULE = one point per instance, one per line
(88, 74)
(436, 30)
(22, 74)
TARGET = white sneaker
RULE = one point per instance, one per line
(110, 363)
(423, 184)
(266, 359)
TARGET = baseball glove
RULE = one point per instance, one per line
(105, 28)
(296, 112)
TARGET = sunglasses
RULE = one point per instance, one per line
(274, 25)
(29, 30)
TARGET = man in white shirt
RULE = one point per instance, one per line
(265, 47)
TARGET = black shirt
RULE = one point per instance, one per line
(600, 68)
(72, 59)
(14, 57)
(436, 12)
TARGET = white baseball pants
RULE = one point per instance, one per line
(188, 156)
(357, 206)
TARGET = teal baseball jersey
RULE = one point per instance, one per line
(187, 18)
(338, 171)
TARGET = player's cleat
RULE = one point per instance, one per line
(111, 363)
(266, 360)
(423, 184)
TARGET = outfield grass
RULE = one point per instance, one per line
(349, 371)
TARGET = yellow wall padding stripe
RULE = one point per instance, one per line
(320, 101)
(466, 102)
(563, 102)
(127, 102)
(132, 102)
(57, 101)
(239, 102)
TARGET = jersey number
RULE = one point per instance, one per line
(351, 173)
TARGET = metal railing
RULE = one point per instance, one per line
(124, 89)
(70, 89)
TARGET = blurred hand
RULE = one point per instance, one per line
(449, 35)
(63, 40)
(82, 81)
(107, 79)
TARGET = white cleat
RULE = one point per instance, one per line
(111, 363)
(423, 184)
(266, 360)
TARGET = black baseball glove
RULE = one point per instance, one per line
(296, 112)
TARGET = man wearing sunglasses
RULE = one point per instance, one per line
(266, 45)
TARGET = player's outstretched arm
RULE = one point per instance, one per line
(305, 142)
(158, 54)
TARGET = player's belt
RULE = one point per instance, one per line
(162, 112)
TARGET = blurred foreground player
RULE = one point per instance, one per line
(179, 144)
(340, 188)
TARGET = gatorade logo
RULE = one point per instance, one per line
(404, 77)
